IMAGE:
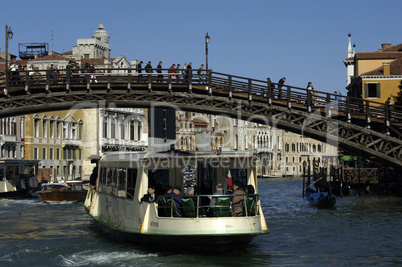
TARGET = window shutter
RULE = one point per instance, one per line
(366, 90)
(378, 90)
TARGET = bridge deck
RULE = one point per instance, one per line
(367, 126)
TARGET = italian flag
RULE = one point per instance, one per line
(229, 181)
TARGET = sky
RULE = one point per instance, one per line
(304, 41)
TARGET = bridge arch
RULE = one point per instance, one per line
(221, 94)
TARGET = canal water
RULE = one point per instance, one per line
(364, 230)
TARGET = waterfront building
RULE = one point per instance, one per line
(12, 137)
(194, 133)
(375, 75)
(280, 153)
(117, 129)
(113, 129)
(299, 150)
(56, 140)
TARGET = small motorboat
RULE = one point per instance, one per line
(64, 191)
(320, 199)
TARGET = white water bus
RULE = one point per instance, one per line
(18, 178)
(114, 202)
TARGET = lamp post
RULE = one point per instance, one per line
(207, 39)
(9, 36)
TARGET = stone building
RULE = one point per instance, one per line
(194, 133)
(113, 129)
(55, 138)
(65, 154)
(12, 134)
(95, 47)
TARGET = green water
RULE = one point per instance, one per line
(364, 230)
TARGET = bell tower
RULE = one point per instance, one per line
(350, 62)
(101, 34)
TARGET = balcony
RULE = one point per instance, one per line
(71, 142)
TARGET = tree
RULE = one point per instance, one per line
(398, 97)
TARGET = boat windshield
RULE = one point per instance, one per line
(54, 187)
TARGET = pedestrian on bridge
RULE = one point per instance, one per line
(310, 88)
(148, 67)
(159, 70)
(200, 73)
(188, 72)
(184, 72)
(270, 86)
(280, 83)
(139, 70)
(173, 71)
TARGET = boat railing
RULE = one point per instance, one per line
(202, 206)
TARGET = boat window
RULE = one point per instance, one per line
(109, 180)
(205, 172)
(121, 185)
(131, 181)
(114, 181)
(159, 178)
(239, 175)
(102, 181)
(189, 177)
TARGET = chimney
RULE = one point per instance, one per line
(386, 45)
(387, 68)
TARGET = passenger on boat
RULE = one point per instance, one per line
(151, 196)
(249, 189)
(219, 191)
(94, 176)
(238, 199)
(168, 190)
(190, 191)
(177, 199)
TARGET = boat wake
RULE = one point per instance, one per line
(114, 258)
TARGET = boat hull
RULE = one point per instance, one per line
(78, 196)
(23, 193)
(321, 200)
(208, 244)
(20, 193)
(324, 203)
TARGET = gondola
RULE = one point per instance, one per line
(320, 199)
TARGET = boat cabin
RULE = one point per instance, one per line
(18, 175)
(129, 178)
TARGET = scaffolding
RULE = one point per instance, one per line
(32, 50)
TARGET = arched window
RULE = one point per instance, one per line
(139, 130)
(36, 125)
(105, 128)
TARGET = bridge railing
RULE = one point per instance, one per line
(223, 84)
(37, 78)
(301, 98)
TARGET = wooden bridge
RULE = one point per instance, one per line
(366, 128)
